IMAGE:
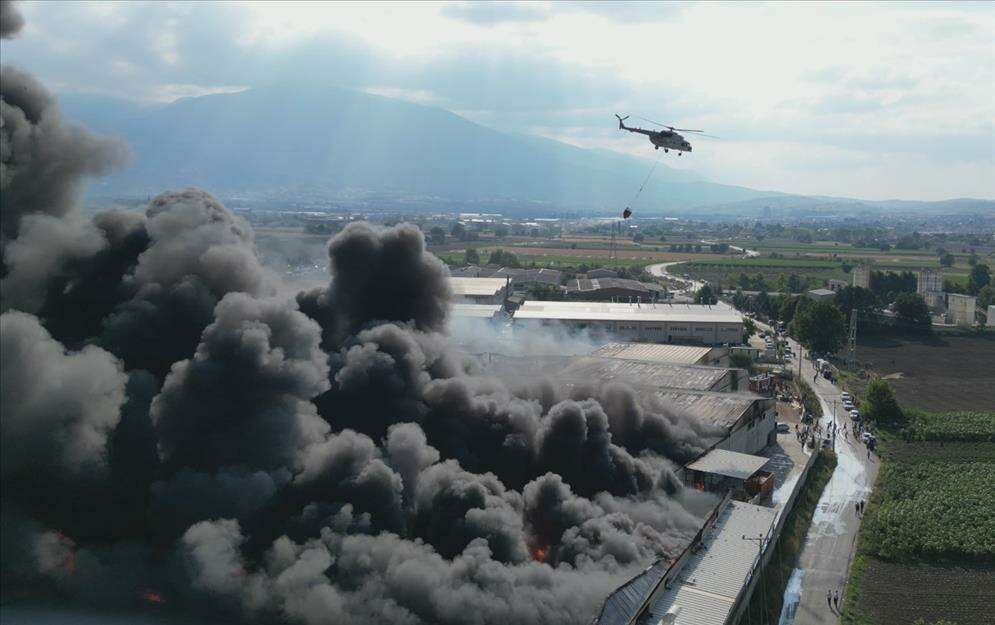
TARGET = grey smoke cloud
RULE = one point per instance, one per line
(11, 20)
(43, 159)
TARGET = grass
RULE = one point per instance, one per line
(765, 605)
(953, 426)
(809, 399)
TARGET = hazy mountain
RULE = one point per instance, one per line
(346, 143)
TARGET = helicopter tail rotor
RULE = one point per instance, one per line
(621, 119)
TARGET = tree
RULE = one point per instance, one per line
(500, 232)
(437, 235)
(705, 295)
(911, 312)
(947, 259)
(638, 237)
(981, 276)
(852, 298)
(819, 326)
(880, 404)
(458, 231)
(472, 257)
(986, 296)
(749, 329)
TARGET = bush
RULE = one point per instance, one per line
(880, 404)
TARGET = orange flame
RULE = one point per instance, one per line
(539, 554)
(69, 558)
(153, 597)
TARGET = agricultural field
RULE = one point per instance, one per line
(898, 593)
(567, 257)
(932, 509)
(926, 547)
(955, 426)
(938, 373)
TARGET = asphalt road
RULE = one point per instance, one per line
(824, 561)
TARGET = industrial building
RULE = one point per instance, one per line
(621, 289)
(704, 585)
(862, 276)
(658, 323)
(929, 280)
(819, 295)
(602, 272)
(749, 420)
(664, 353)
(487, 312)
(836, 285)
(479, 290)
(961, 309)
(655, 375)
(721, 470)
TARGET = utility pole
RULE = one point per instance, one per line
(851, 344)
(759, 539)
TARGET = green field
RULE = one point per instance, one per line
(926, 547)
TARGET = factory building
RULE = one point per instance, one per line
(655, 375)
(656, 323)
(704, 585)
(621, 289)
(720, 470)
(663, 353)
(819, 295)
(479, 290)
(862, 276)
(749, 420)
(961, 309)
(929, 280)
(602, 273)
(483, 312)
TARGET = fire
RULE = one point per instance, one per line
(152, 596)
(539, 554)
(69, 556)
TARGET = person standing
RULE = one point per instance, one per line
(829, 599)
(836, 599)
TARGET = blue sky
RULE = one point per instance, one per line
(878, 101)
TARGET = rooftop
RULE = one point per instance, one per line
(476, 286)
(823, 292)
(616, 311)
(487, 311)
(596, 284)
(648, 374)
(723, 409)
(655, 352)
(706, 587)
(729, 463)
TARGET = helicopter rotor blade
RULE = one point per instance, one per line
(653, 122)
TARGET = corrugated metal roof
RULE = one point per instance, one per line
(612, 311)
(655, 352)
(646, 374)
(476, 286)
(729, 463)
(720, 408)
(476, 310)
(709, 582)
(621, 605)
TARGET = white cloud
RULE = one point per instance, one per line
(869, 100)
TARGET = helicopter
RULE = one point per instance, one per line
(668, 139)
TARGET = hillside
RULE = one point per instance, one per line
(340, 143)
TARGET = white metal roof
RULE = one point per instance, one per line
(655, 352)
(476, 310)
(708, 584)
(476, 286)
(822, 292)
(729, 463)
(612, 311)
(720, 408)
(639, 373)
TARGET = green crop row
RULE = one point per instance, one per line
(954, 426)
(932, 510)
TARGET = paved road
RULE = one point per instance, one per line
(824, 561)
(660, 271)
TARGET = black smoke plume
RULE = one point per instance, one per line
(173, 433)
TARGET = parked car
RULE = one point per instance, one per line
(855, 415)
(783, 427)
(867, 437)
(847, 397)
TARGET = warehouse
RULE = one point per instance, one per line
(485, 312)
(662, 352)
(479, 290)
(615, 288)
(656, 323)
(749, 420)
(720, 471)
(655, 375)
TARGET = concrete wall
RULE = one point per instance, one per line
(746, 592)
(862, 277)
(753, 435)
(706, 333)
(961, 309)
